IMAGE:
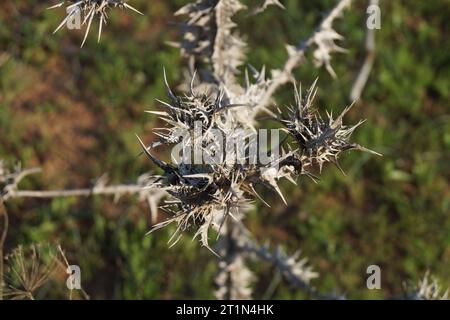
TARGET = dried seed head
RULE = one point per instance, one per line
(28, 269)
(319, 140)
(84, 12)
(205, 194)
(184, 111)
(203, 199)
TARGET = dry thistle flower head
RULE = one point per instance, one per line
(205, 194)
(84, 12)
(319, 140)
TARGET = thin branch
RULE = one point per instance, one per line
(142, 188)
(12, 191)
(111, 190)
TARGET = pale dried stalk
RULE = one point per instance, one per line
(108, 190)
(141, 188)
(88, 10)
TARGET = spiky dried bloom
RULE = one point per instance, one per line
(203, 194)
(86, 10)
(206, 194)
(319, 140)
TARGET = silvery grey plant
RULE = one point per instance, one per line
(216, 196)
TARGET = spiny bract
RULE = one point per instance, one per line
(206, 194)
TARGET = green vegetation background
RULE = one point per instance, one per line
(75, 112)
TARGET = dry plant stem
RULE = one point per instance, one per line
(65, 264)
(12, 191)
(111, 190)
(366, 68)
(116, 191)
(297, 57)
(4, 233)
(230, 251)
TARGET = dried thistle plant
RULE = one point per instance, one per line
(28, 270)
(319, 141)
(87, 10)
(217, 195)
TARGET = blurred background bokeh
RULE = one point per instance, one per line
(74, 112)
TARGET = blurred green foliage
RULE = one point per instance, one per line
(75, 111)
